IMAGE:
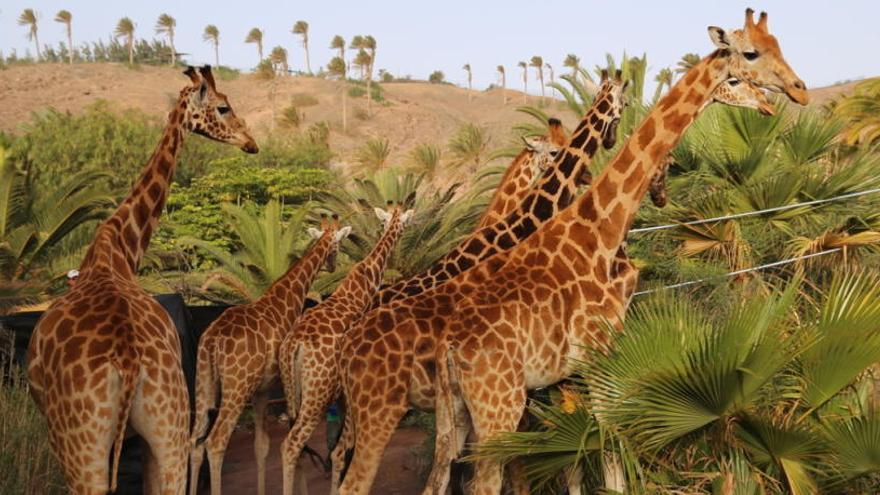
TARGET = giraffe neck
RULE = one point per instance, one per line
(289, 292)
(510, 191)
(610, 205)
(123, 238)
(359, 286)
(553, 192)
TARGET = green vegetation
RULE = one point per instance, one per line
(766, 393)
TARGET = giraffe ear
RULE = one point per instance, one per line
(533, 143)
(342, 233)
(382, 214)
(315, 233)
(407, 216)
(192, 74)
(719, 37)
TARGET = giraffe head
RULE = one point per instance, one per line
(755, 56)
(543, 149)
(330, 227)
(737, 93)
(611, 92)
(207, 112)
(387, 215)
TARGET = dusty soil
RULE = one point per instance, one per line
(398, 474)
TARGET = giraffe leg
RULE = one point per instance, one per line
(230, 410)
(261, 438)
(337, 457)
(452, 426)
(373, 432)
(81, 441)
(492, 410)
(206, 399)
(160, 414)
(313, 401)
(150, 470)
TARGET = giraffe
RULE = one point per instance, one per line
(732, 92)
(533, 160)
(238, 358)
(105, 355)
(554, 190)
(517, 320)
(307, 357)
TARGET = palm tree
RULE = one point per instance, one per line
(256, 36)
(212, 35)
(373, 155)
(663, 78)
(538, 63)
(425, 159)
(501, 72)
(732, 396)
(66, 18)
(337, 67)
(525, 74)
(467, 68)
(369, 44)
(687, 61)
(573, 62)
(166, 25)
(469, 145)
(357, 43)
(302, 28)
(43, 229)
(861, 110)
(442, 217)
(278, 57)
(125, 29)
(29, 18)
(552, 78)
(269, 241)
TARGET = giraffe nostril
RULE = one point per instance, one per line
(800, 84)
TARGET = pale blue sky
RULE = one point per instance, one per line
(824, 42)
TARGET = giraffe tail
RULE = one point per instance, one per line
(127, 365)
(207, 391)
(290, 361)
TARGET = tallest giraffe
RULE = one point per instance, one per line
(515, 321)
(106, 356)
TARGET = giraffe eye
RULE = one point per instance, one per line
(733, 82)
(223, 110)
(750, 55)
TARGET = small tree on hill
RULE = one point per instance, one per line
(212, 35)
(437, 77)
(28, 18)
(302, 28)
(256, 36)
(66, 18)
(125, 29)
(166, 25)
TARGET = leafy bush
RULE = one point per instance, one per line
(303, 100)
(437, 77)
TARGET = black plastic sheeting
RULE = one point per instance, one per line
(190, 321)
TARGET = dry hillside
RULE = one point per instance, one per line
(415, 112)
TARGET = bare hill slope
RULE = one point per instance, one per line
(415, 112)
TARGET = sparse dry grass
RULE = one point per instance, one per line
(26, 462)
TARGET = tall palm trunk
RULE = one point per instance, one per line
(37, 45)
(503, 89)
(308, 63)
(70, 44)
(344, 110)
(131, 50)
(173, 50)
(525, 87)
(217, 54)
(541, 79)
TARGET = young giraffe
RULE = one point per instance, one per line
(516, 320)
(554, 190)
(308, 354)
(518, 179)
(732, 92)
(238, 358)
(106, 355)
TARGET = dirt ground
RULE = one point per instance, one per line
(398, 474)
